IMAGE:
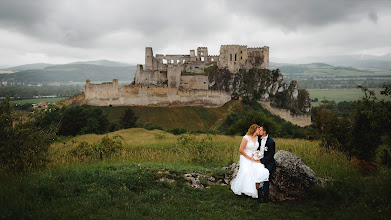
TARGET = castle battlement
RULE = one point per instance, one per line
(167, 69)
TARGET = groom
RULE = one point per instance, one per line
(269, 146)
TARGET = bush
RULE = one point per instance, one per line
(201, 151)
(23, 145)
(128, 120)
(177, 131)
(78, 120)
(104, 148)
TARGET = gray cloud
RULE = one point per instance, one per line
(80, 23)
(121, 29)
(293, 15)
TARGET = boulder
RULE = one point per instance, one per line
(292, 179)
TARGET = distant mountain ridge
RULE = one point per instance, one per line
(73, 72)
(324, 68)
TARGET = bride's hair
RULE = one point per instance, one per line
(253, 128)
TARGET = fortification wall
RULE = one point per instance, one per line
(138, 95)
(300, 120)
(194, 82)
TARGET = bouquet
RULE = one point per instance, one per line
(256, 155)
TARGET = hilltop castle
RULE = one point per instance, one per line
(177, 80)
(188, 71)
(204, 80)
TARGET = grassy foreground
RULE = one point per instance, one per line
(127, 186)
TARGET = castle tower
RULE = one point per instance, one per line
(202, 54)
(148, 58)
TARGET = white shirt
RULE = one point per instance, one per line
(263, 143)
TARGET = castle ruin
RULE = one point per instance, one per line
(177, 80)
(188, 71)
(200, 79)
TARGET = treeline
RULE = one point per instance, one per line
(361, 129)
(28, 92)
(26, 137)
(251, 112)
(338, 83)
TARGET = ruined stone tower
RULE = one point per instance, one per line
(187, 71)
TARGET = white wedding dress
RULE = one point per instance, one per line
(249, 172)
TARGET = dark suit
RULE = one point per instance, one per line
(268, 160)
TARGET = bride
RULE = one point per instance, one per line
(251, 172)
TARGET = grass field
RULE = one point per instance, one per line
(189, 118)
(127, 186)
(34, 101)
(339, 95)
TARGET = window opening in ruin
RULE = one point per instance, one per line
(178, 61)
(164, 61)
(241, 52)
(241, 57)
(212, 59)
(235, 56)
(230, 57)
(184, 61)
(202, 53)
(202, 58)
(172, 61)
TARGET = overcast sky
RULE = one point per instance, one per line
(62, 31)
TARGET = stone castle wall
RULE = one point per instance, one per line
(300, 120)
(139, 95)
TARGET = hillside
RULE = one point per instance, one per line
(231, 118)
(72, 73)
(189, 118)
(146, 181)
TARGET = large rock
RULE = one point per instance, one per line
(292, 179)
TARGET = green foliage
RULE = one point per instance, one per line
(250, 112)
(128, 120)
(200, 150)
(104, 148)
(361, 133)
(78, 120)
(23, 145)
(177, 131)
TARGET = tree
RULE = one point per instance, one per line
(23, 144)
(128, 119)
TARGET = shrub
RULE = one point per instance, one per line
(23, 145)
(128, 120)
(200, 151)
(104, 148)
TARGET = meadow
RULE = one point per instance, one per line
(339, 95)
(126, 185)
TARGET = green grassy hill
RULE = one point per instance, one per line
(128, 186)
(189, 118)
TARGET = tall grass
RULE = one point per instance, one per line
(156, 146)
(127, 184)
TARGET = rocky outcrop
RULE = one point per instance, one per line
(261, 84)
(292, 179)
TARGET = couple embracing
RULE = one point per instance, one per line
(256, 163)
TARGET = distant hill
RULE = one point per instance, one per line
(103, 63)
(380, 64)
(72, 73)
(29, 67)
(317, 69)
